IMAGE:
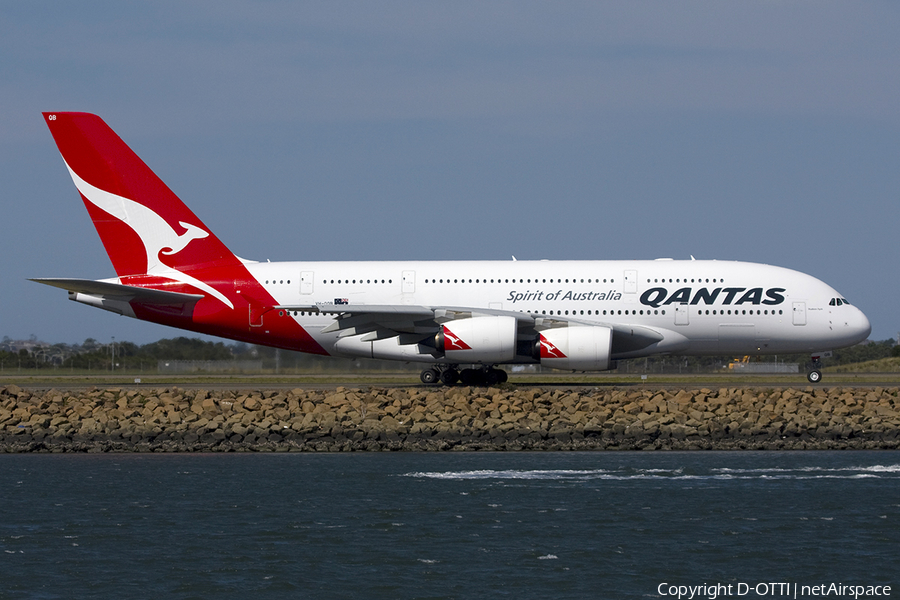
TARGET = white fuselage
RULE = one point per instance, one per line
(698, 306)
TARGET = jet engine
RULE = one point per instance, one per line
(390, 349)
(478, 340)
(575, 348)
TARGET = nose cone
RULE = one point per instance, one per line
(856, 327)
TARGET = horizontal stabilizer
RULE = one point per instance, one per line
(125, 293)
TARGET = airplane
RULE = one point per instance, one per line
(460, 319)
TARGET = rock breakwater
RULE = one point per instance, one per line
(371, 419)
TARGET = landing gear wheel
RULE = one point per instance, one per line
(449, 376)
(483, 376)
(429, 376)
(494, 376)
(814, 376)
(469, 377)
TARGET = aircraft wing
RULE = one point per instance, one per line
(413, 324)
(393, 320)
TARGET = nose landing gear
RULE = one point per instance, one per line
(814, 370)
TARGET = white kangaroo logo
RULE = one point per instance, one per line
(551, 350)
(455, 342)
(156, 234)
(193, 233)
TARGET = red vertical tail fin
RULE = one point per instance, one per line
(162, 253)
(144, 226)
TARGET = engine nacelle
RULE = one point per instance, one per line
(390, 349)
(478, 340)
(576, 348)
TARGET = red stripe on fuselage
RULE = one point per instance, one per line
(211, 316)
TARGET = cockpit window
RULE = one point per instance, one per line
(844, 300)
(838, 302)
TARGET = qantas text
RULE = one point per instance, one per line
(659, 296)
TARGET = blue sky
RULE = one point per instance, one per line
(758, 131)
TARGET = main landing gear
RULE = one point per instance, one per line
(814, 370)
(439, 374)
(449, 375)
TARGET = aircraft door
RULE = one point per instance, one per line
(681, 314)
(630, 282)
(799, 313)
(255, 308)
(306, 282)
(409, 282)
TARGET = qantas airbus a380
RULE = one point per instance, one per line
(572, 315)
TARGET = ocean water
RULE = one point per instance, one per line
(429, 525)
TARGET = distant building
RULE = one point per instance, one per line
(16, 346)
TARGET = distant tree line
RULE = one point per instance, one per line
(93, 356)
(864, 352)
